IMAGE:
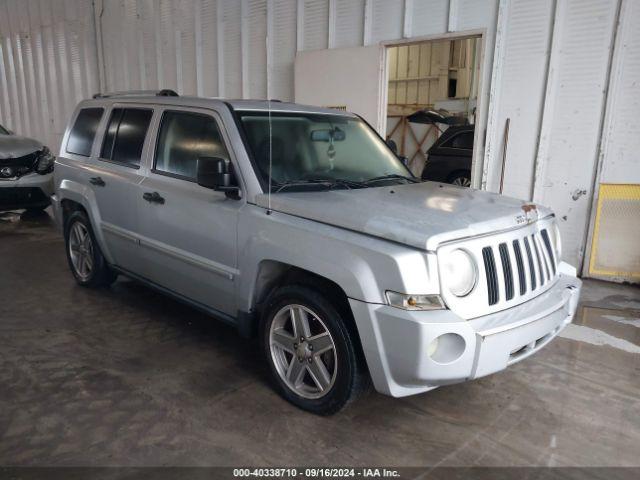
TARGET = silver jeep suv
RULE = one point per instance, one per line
(299, 225)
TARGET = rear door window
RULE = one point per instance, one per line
(84, 131)
(125, 135)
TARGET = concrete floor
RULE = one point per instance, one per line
(126, 376)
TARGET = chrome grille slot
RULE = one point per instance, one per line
(547, 244)
(536, 253)
(522, 279)
(532, 269)
(506, 269)
(545, 258)
(514, 266)
(492, 275)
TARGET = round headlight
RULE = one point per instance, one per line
(459, 272)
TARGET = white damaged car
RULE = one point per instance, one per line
(26, 173)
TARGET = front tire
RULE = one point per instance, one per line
(84, 256)
(310, 351)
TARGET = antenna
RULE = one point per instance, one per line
(270, 130)
(270, 155)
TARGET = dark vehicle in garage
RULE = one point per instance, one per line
(449, 159)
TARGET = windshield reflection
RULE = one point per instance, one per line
(319, 151)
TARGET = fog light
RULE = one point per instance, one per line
(446, 348)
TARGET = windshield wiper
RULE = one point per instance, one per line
(301, 183)
(348, 183)
(328, 182)
(392, 176)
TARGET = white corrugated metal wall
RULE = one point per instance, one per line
(200, 47)
(549, 77)
(621, 139)
(47, 64)
(573, 110)
(613, 250)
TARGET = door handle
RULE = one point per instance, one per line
(153, 197)
(97, 181)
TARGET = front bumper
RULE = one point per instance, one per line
(29, 191)
(396, 342)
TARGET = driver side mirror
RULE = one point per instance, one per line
(215, 173)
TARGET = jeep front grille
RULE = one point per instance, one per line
(513, 267)
(537, 256)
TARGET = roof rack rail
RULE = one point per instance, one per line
(158, 93)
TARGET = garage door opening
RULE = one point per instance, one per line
(431, 106)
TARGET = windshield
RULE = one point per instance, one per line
(320, 150)
(3, 131)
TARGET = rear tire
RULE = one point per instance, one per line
(88, 265)
(310, 352)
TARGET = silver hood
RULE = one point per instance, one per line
(420, 215)
(14, 146)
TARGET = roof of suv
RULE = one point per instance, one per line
(204, 102)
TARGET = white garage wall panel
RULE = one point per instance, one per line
(254, 48)
(426, 17)
(572, 117)
(282, 32)
(206, 32)
(614, 248)
(621, 136)
(384, 20)
(229, 50)
(145, 42)
(522, 56)
(472, 14)
(185, 46)
(47, 64)
(346, 23)
(313, 26)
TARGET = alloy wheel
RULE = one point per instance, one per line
(81, 250)
(462, 181)
(303, 351)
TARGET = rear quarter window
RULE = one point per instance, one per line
(462, 141)
(84, 131)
